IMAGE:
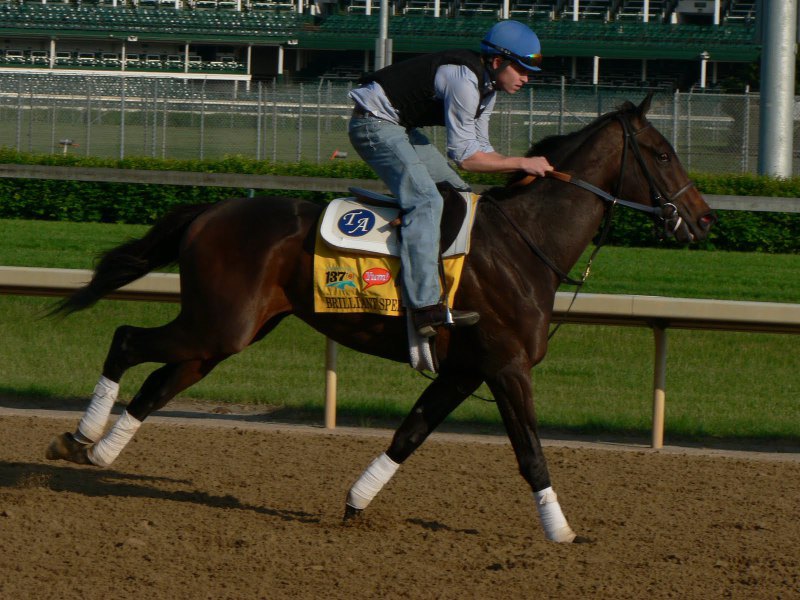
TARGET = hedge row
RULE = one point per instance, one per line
(141, 203)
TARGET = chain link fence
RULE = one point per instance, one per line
(125, 117)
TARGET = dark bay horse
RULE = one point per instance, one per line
(245, 264)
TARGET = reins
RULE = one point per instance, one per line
(604, 195)
(564, 277)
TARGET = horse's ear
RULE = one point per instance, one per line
(645, 105)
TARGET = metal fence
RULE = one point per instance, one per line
(123, 117)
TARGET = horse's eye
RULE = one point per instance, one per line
(663, 157)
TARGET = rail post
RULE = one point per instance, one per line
(331, 353)
(659, 384)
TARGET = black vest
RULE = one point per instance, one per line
(409, 85)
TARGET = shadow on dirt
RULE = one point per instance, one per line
(91, 482)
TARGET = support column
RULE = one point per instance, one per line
(775, 139)
(703, 69)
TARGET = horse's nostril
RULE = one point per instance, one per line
(706, 221)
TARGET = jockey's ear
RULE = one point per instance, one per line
(645, 105)
(498, 63)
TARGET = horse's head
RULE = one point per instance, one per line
(652, 174)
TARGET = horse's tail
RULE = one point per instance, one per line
(129, 261)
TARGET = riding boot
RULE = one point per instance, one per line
(428, 318)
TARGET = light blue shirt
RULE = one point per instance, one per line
(457, 87)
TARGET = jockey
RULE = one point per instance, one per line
(457, 89)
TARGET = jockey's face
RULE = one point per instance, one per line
(511, 78)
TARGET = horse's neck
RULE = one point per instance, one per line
(566, 216)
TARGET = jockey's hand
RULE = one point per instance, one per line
(536, 165)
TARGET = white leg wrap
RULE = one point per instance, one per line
(553, 520)
(378, 474)
(94, 420)
(104, 452)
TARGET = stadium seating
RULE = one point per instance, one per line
(531, 10)
(173, 23)
(611, 29)
(741, 11)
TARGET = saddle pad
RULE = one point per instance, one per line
(345, 282)
(357, 226)
(352, 225)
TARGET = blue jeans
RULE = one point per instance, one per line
(410, 166)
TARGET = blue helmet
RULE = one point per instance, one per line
(515, 41)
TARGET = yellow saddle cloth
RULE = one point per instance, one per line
(346, 282)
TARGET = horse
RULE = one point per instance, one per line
(246, 263)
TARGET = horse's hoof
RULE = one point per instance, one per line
(580, 539)
(351, 514)
(66, 447)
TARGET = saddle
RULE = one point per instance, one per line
(369, 223)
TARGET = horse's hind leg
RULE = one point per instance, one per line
(130, 346)
(72, 446)
(188, 351)
(159, 388)
(438, 400)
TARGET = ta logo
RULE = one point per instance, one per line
(356, 223)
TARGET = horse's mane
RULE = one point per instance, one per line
(557, 147)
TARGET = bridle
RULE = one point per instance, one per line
(663, 208)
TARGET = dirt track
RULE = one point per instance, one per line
(191, 511)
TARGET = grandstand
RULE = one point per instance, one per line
(257, 39)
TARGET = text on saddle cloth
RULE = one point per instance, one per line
(351, 279)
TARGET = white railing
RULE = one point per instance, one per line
(658, 313)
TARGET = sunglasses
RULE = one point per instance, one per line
(531, 60)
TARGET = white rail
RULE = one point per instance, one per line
(658, 313)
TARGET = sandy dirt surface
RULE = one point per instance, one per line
(196, 510)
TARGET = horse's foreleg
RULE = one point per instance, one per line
(438, 400)
(512, 391)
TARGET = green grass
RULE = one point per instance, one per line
(594, 379)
